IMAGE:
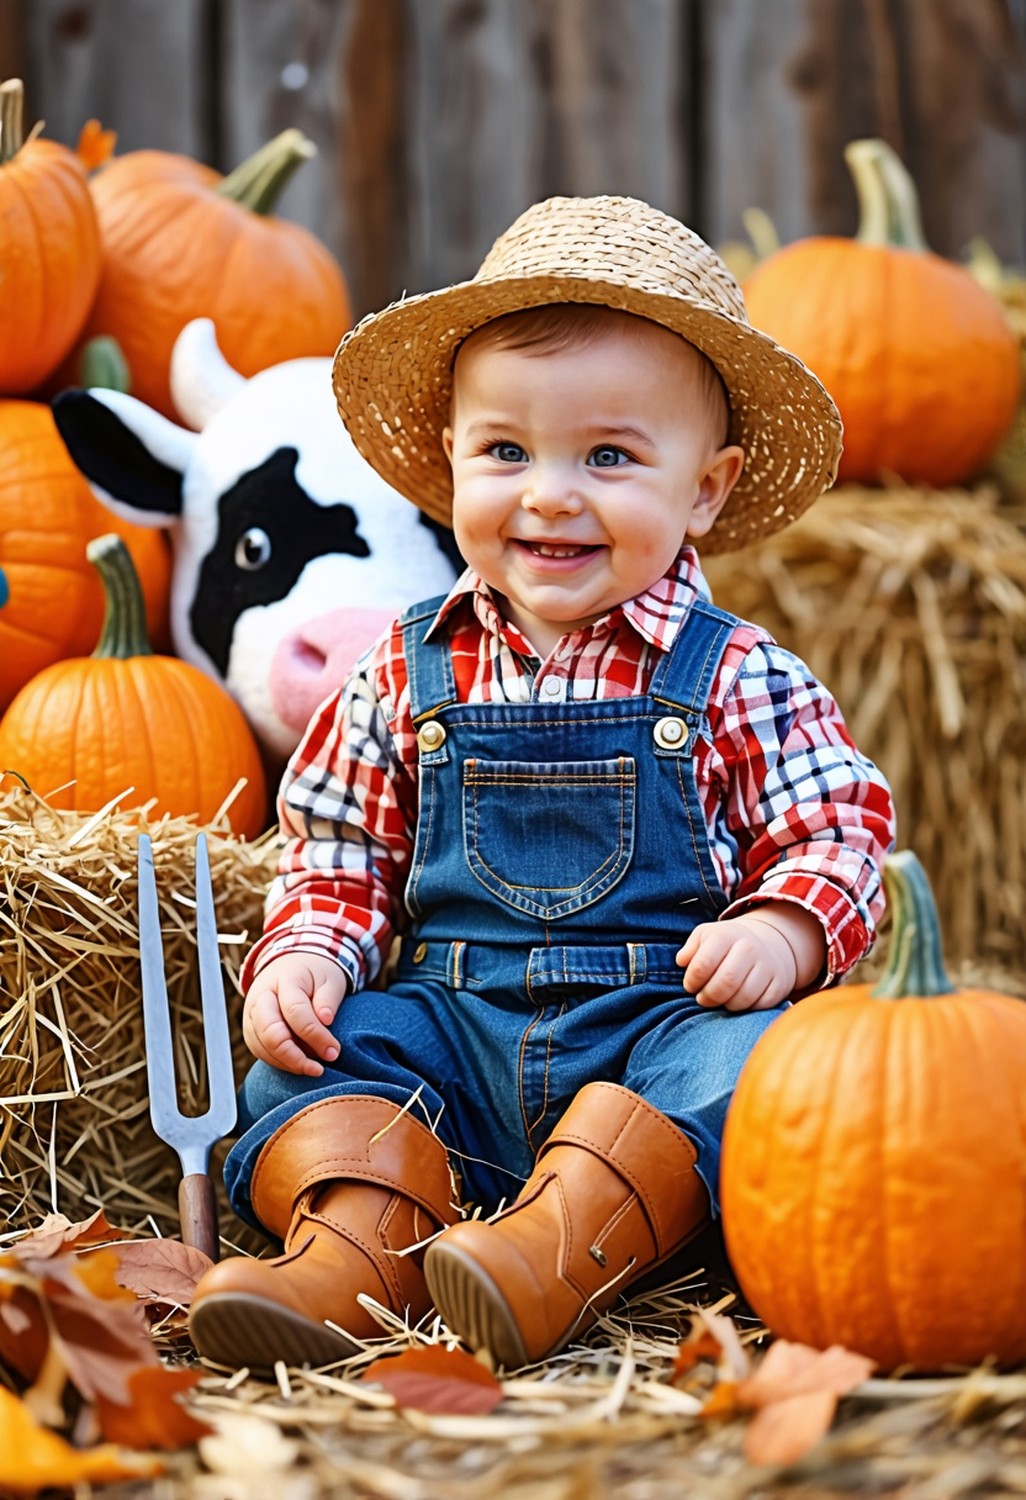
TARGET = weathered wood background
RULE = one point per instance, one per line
(437, 121)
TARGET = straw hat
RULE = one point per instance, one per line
(393, 371)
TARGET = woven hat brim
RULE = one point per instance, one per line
(392, 379)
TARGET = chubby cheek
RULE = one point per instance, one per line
(477, 536)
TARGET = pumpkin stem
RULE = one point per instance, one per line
(12, 102)
(888, 204)
(258, 183)
(762, 232)
(103, 363)
(124, 621)
(915, 965)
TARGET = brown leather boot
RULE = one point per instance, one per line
(614, 1192)
(345, 1184)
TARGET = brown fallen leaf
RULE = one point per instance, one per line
(713, 1339)
(161, 1272)
(76, 1303)
(437, 1380)
(794, 1394)
(795, 1369)
(701, 1346)
(33, 1458)
(57, 1233)
(152, 1417)
(783, 1431)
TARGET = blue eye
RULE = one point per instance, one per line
(607, 457)
(509, 453)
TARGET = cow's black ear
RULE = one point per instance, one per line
(115, 460)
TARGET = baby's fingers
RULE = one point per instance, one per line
(297, 1008)
(702, 955)
(269, 1037)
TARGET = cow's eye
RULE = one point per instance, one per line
(252, 549)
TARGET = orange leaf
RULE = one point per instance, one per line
(57, 1233)
(794, 1394)
(437, 1380)
(100, 1340)
(796, 1370)
(95, 145)
(152, 1417)
(702, 1344)
(723, 1401)
(782, 1432)
(33, 1459)
(98, 1273)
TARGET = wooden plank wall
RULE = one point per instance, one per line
(436, 121)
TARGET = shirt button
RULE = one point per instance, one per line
(554, 688)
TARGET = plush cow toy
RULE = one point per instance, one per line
(290, 553)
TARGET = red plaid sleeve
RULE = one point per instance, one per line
(797, 813)
(347, 807)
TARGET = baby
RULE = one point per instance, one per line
(617, 829)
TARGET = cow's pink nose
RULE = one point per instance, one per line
(312, 662)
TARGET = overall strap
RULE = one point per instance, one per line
(428, 663)
(684, 676)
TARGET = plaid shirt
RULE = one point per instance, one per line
(794, 811)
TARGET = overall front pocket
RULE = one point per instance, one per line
(549, 838)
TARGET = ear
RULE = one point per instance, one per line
(133, 457)
(447, 442)
(721, 475)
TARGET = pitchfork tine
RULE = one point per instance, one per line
(192, 1136)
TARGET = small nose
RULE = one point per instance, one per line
(551, 491)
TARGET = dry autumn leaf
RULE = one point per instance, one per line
(95, 145)
(161, 1272)
(34, 1459)
(77, 1304)
(152, 1416)
(57, 1233)
(66, 1316)
(794, 1394)
(713, 1339)
(437, 1380)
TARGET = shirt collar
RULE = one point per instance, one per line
(657, 613)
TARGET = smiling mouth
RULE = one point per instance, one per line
(558, 549)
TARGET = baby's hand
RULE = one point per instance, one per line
(288, 1009)
(753, 961)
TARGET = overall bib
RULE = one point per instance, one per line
(562, 858)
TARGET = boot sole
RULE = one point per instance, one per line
(236, 1329)
(472, 1305)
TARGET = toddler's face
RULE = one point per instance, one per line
(578, 472)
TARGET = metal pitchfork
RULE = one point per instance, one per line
(191, 1136)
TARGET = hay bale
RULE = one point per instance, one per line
(911, 605)
(74, 1117)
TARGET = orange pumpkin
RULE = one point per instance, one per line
(49, 250)
(180, 241)
(873, 1182)
(47, 515)
(919, 357)
(126, 723)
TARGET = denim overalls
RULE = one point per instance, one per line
(562, 858)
